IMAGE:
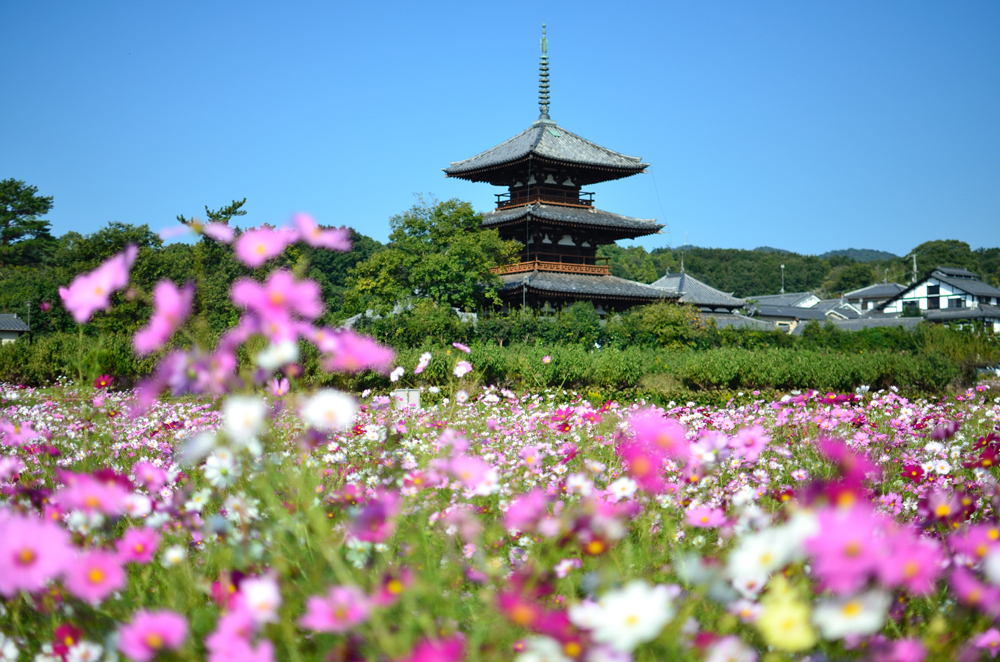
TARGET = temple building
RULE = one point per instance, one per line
(544, 169)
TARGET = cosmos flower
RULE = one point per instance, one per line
(337, 239)
(94, 576)
(255, 247)
(172, 306)
(137, 546)
(32, 553)
(92, 291)
(860, 615)
(341, 609)
(151, 632)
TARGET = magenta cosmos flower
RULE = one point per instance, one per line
(32, 552)
(91, 292)
(350, 352)
(94, 576)
(138, 546)
(173, 305)
(342, 608)
(151, 632)
(652, 428)
(449, 649)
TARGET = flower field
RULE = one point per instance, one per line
(212, 515)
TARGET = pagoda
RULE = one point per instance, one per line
(544, 169)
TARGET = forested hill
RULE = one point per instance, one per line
(862, 255)
(754, 272)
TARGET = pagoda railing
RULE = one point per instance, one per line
(570, 264)
(546, 194)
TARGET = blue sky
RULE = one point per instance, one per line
(807, 126)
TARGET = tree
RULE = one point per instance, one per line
(24, 238)
(632, 263)
(437, 251)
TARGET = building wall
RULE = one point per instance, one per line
(919, 295)
(9, 336)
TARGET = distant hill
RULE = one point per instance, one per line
(770, 249)
(860, 255)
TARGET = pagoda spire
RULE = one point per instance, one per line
(543, 79)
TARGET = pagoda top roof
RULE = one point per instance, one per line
(624, 226)
(547, 141)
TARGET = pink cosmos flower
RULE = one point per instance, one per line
(149, 475)
(844, 549)
(32, 552)
(374, 522)
(469, 470)
(173, 305)
(749, 443)
(449, 649)
(349, 352)
(219, 232)
(16, 434)
(462, 368)
(338, 239)
(425, 360)
(652, 428)
(462, 348)
(92, 291)
(988, 641)
(704, 517)
(644, 463)
(910, 561)
(255, 247)
(84, 492)
(278, 387)
(341, 609)
(526, 510)
(10, 467)
(277, 302)
(137, 546)
(151, 632)
(972, 592)
(94, 576)
(232, 632)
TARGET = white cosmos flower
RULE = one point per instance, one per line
(137, 505)
(8, 650)
(542, 649)
(861, 615)
(623, 488)
(243, 418)
(173, 555)
(197, 447)
(941, 467)
(329, 410)
(397, 373)
(991, 567)
(262, 596)
(84, 651)
(278, 354)
(631, 615)
(221, 472)
(758, 555)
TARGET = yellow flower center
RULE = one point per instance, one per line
(851, 609)
(96, 576)
(26, 556)
(394, 586)
(943, 510)
(154, 641)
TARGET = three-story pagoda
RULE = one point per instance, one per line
(544, 169)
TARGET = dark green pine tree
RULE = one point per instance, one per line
(25, 239)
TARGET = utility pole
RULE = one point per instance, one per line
(782, 279)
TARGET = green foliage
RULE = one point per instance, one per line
(633, 263)
(436, 251)
(25, 239)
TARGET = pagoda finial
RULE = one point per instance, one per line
(543, 79)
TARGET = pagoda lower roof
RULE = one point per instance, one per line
(581, 217)
(582, 286)
(548, 142)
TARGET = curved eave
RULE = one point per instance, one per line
(622, 233)
(597, 173)
(584, 295)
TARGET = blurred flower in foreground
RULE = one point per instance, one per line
(151, 632)
(92, 291)
(173, 305)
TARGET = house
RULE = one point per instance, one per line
(787, 318)
(943, 288)
(982, 313)
(11, 328)
(692, 291)
(868, 298)
(838, 309)
(862, 323)
(797, 299)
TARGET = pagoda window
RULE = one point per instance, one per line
(585, 244)
(532, 180)
(566, 240)
(531, 240)
(546, 240)
(568, 182)
(550, 179)
(518, 184)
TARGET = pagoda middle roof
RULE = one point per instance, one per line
(573, 216)
(583, 285)
(546, 140)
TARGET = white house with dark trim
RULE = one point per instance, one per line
(871, 297)
(943, 288)
(11, 328)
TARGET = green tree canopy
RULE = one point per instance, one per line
(24, 237)
(437, 251)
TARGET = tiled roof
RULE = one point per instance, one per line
(737, 321)
(692, 290)
(974, 287)
(787, 299)
(868, 323)
(876, 291)
(956, 272)
(572, 216)
(794, 312)
(581, 284)
(12, 323)
(979, 312)
(839, 306)
(548, 141)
